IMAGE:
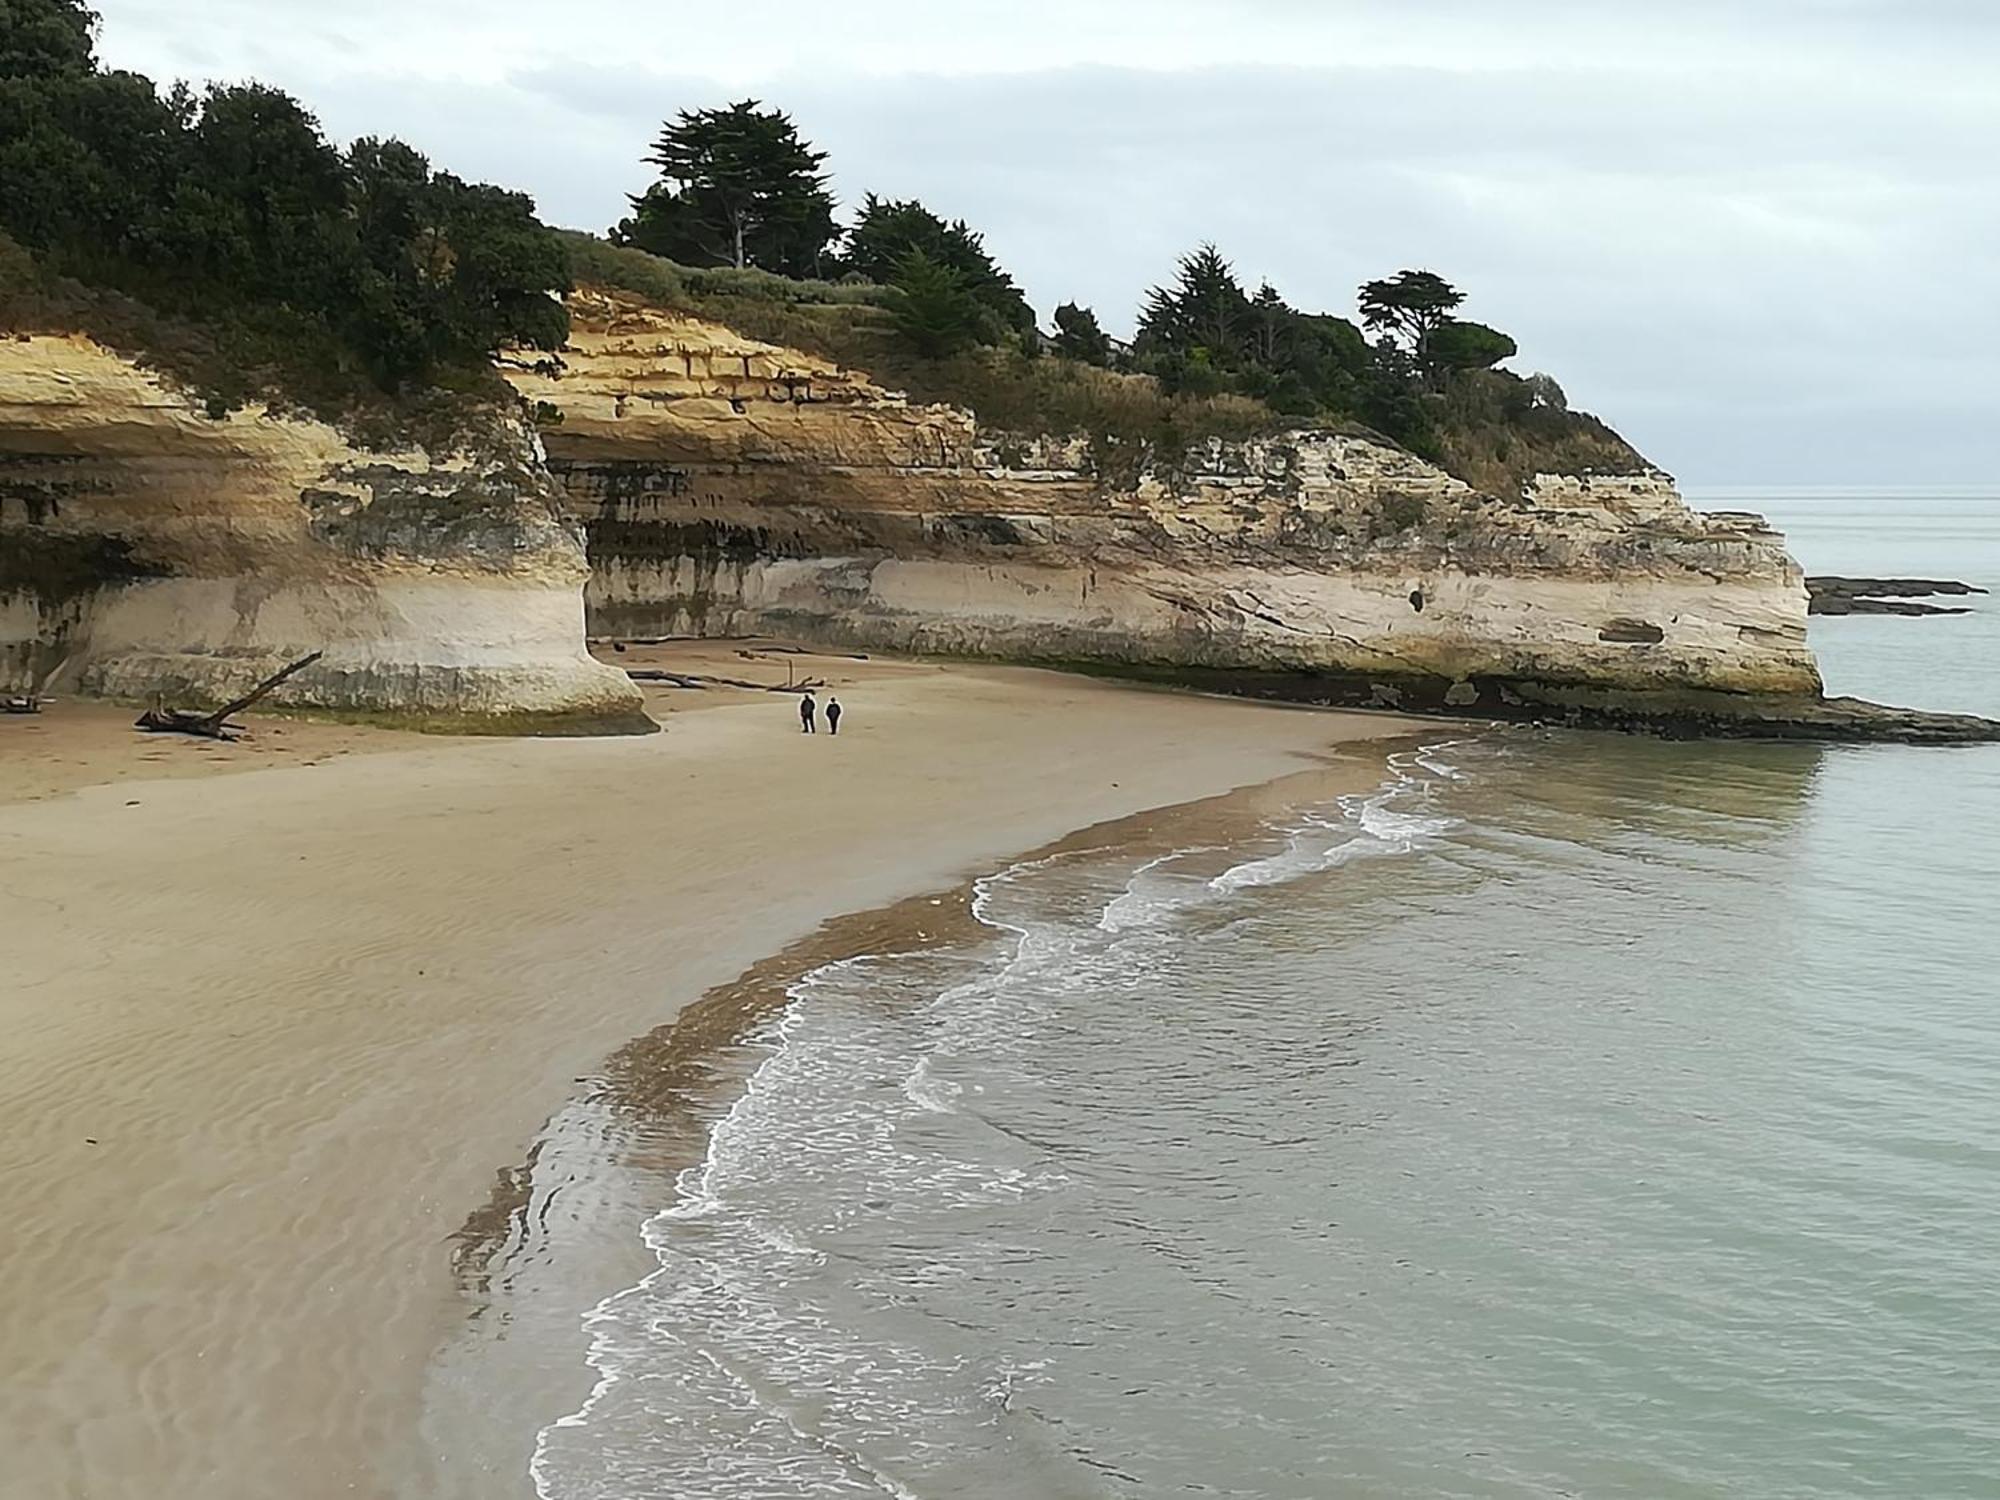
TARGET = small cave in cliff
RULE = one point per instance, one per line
(1417, 600)
(1631, 633)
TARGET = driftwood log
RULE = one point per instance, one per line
(216, 725)
(20, 703)
(693, 680)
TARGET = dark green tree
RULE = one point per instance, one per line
(738, 187)
(1191, 373)
(1203, 308)
(262, 206)
(1454, 345)
(449, 271)
(233, 214)
(1079, 337)
(887, 230)
(933, 308)
(1271, 323)
(1409, 307)
(41, 38)
(1390, 398)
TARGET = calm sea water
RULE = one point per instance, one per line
(1574, 1115)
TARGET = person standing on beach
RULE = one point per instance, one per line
(833, 716)
(806, 707)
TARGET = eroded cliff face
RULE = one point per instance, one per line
(147, 548)
(732, 487)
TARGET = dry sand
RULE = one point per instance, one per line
(269, 1035)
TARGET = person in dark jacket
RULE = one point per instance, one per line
(833, 716)
(806, 709)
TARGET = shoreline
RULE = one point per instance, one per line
(272, 1034)
(530, 1279)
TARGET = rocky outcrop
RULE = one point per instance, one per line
(146, 547)
(730, 486)
(1886, 596)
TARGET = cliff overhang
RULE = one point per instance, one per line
(151, 549)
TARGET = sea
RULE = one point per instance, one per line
(1569, 1115)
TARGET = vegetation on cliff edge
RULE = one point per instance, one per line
(222, 238)
(1131, 420)
(920, 302)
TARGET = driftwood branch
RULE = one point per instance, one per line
(31, 701)
(216, 725)
(693, 680)
(657, 674)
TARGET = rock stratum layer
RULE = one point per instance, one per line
(732, 487)
(147, 548)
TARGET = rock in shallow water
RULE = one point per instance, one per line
(1833, 595)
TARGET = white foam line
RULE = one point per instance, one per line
(1366, 825)
(695, 1197)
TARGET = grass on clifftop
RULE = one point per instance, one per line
(1128, 418)
(1489, 429)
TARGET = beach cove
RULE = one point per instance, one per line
(274, 1030)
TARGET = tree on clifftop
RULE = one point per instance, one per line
(42, 37)
(1079, 337)
(933, 308)
(886, 231)
(1468, 346)
(737, 187)
(275, 261)
(1409, 307)
(1204, 308)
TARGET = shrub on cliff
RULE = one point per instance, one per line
(448, 271)
(737, 187)
(1497, 431)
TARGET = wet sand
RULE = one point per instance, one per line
(270, 1035)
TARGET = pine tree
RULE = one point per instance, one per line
(1204, 308)
(887, 230)
(933, 308)
(738, 187)
(1409, 307)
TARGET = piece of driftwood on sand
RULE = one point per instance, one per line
(216, 725)
(31, 701)
(696, 680)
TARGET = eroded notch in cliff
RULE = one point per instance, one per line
(1632, 633)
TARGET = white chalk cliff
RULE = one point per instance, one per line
(146, 548)
(725, 486)
(730, 486)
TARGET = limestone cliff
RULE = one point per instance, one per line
(146, 547)
(729, 486)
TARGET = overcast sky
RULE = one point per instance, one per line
(1760, 237)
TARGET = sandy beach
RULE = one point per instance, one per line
(275, 1014)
